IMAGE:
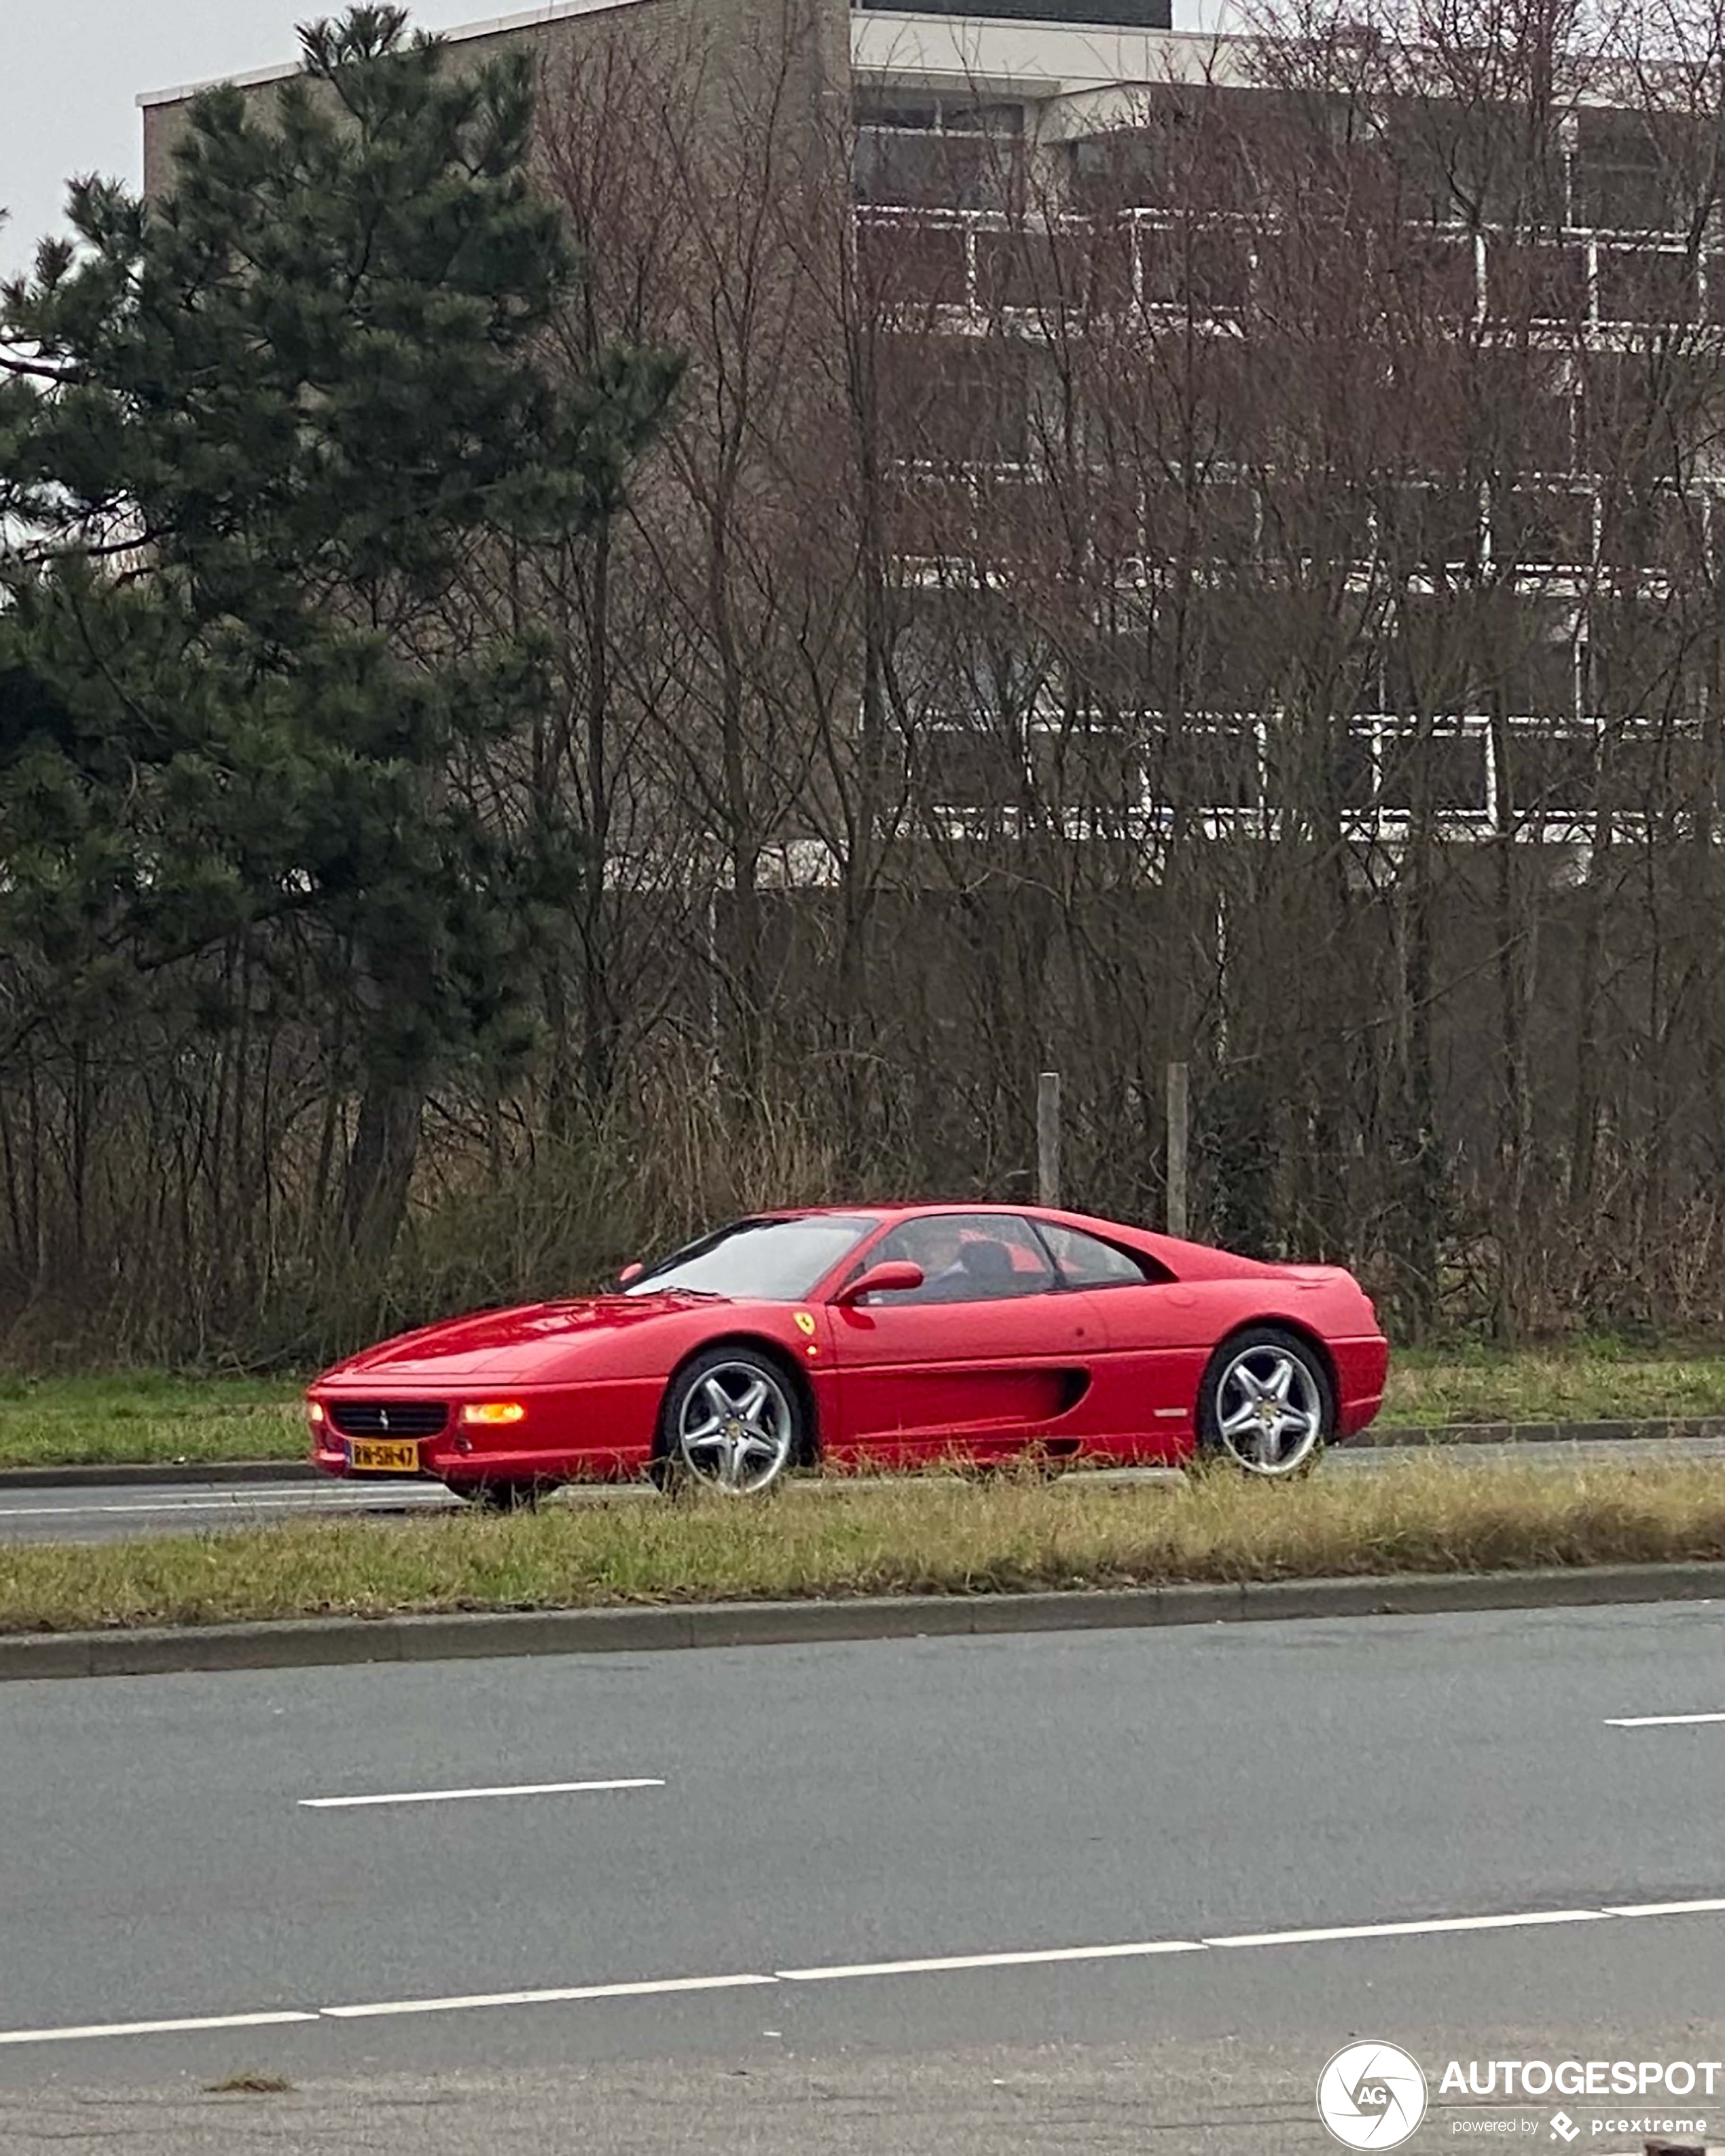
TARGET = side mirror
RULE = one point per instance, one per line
(896, 1277)
(630, 1272)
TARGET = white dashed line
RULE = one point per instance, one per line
(1413, 1930)
(1669, 1909)
(1658, 1721)
(151, 2028)
(561, 1997)
(1142, 1950)
(320, 1503)
(990, 1960)
(458, 1796)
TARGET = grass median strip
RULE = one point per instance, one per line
(1596, 1380)
(917, 1537)
(142, 1416)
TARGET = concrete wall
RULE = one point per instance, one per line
(1135, 14)
(717, 45)
(1032, 58)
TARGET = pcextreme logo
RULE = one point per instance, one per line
(1371, 2095)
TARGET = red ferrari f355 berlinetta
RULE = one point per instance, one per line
(884, 1336)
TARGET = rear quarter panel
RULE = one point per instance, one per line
(1331, 1309)
(1160, 1340)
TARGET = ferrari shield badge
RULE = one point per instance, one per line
(805, 1323)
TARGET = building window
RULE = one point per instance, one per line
(911, 261)
(956, 400)
(1647, 285)
(1635, 173)
(1527, 281)
(1439, 767)
(1198, 767)
(1551, 769)
(1474, 165)
(935, 153)
(1542, 527)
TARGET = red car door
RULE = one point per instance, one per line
(1158, 1337)
(991, 1352)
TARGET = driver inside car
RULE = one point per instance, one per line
(938, 1247)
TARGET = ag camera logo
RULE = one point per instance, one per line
(1371, 2095)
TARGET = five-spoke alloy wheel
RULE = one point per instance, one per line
(732, 1422)
(1267, 1404)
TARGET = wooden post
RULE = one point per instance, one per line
(1179, 1126)
(1048, 1138)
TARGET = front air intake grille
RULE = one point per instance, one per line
(389, 1418)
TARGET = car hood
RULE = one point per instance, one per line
(518, 1344)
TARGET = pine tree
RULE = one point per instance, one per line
(251, 433)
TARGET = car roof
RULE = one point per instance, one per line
(899, 1210)
(1181, 1260)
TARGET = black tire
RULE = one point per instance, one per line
(732, 1420)
(1266, 1406)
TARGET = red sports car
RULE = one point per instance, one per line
(886, 1334)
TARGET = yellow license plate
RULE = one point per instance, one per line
(375, 1455)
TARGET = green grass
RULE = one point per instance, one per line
(1592, 1380)
(907, 1536)
(61, 1422)
(142, 1416)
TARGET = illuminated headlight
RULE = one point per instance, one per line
(493, 1411)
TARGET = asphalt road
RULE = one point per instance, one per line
(801, 1823)
(109, 1512)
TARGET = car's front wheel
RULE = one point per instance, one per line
(732, 1422)
(1267, 1404)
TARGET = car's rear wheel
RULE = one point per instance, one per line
(1267, 1404)
(732, 1422)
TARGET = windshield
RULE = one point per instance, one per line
(759, 1261)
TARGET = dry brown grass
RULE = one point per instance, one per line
(919, 1537)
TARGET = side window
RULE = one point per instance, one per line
(967, 1257)
(1086, 1261)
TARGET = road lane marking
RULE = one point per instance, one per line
(456, 1796)
(836, 1972)
(319, 1503)
(1411, 1930)
(151, 2028)
(990, 1960)
(651, 1990)
(1668, 1909)
(1657, 1721)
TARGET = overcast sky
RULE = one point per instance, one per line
(70, 72)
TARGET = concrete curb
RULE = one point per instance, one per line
(1652, 1427)
(129, 1474)
(329, 1641)
(166, 1475)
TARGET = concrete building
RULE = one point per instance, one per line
(984, 145)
